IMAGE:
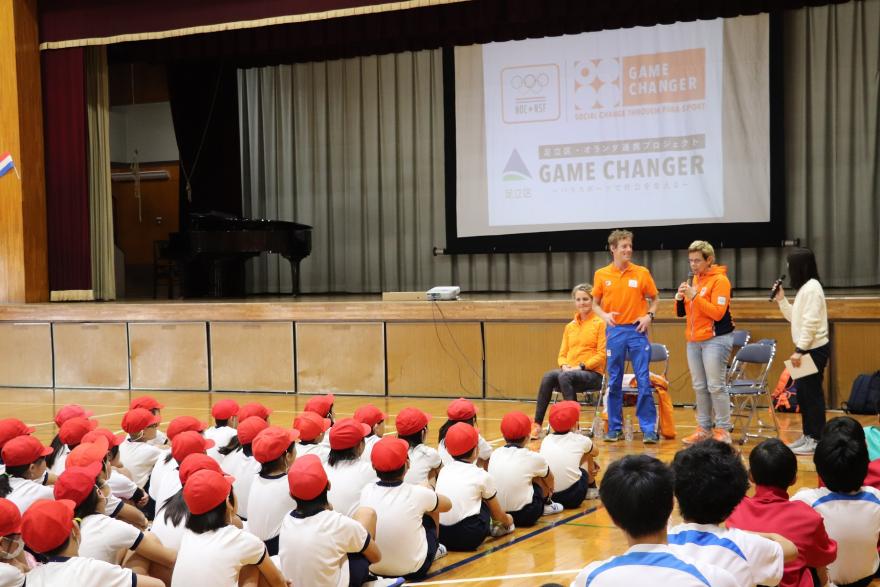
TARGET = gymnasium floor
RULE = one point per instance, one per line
(553, 551)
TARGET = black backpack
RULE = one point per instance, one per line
(864, 397)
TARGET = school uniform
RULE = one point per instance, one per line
(513, 469)
(563, 453)
(751, 559)
(347, 479)
(853, 521)
(466, 525)
(169, 534)
(25, 492)
(268, 504)
(215, 558)
(406, 536)
(78, 570)
(161, 440)
(369, 442)
(103, 538)
(245, 469)
(334, 543)
(771, 511)
(10, 576)
(422, 460)
(162, 471)
(484, 451)
(139, 458)
(321, 450)
(221, 435)
(60, 460)
(653, 564)
(121, 486)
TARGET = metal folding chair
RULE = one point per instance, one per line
(746, 384)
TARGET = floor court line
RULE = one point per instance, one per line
(497, 578)
(91, 417)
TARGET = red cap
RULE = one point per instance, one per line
(321, 405)
(46, 525)
(23, 450)
(187, 443)
(72, 431)
(564, 415)
(138, 419)
(224, 409)
(183, 424)
(461, 409)
(112, 439)
(71, 411)
(271, 443)
(12, 427)
(515, 425)
(87, 453)
(77, 483)
(253, 409)
(306, 477)
(347, 433)
(369, 415)
(249, 428)
(460, 438)
(411, 420)
(205, 490)
(10, 518)
(196, 462)
(310, 425)
(389, 454)
(146, 402)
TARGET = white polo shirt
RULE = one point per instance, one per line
(121, 486)
(161, 470)
(400, 535)
(268, 504)
(139, 458)
(564, 453)
(369, 443)
(169, 484)
(244, 469)
(853, 520)
(466, 485)
(25, 492)
(79, 571)
(215, 558)
(168, 534)
(221, 437)
(751, 559)
(513, 469)
(484, 450)
(320, 450)
(653, 564)
(347, 479)
(328, 537)
(10, 576)
(103, 538)
(60, 460)
(422, 459)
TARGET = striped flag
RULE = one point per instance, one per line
(6, 164)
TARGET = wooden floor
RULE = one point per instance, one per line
(552, 552)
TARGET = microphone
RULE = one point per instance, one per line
(776, 285)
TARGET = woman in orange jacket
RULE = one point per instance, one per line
(581, 356)
(706, 303)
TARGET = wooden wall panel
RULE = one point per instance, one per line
(91, 355)
(159, 200)
(169, 355)
(340, 358)
(26, 355)
(854, 351)
(443, 359)
(252, 356)
(518, 355)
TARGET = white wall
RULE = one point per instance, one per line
(145, 127)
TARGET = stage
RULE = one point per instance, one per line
(492, 346)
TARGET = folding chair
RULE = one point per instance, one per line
(740, 339)
(746, 384)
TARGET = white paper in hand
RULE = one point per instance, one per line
(808, 367)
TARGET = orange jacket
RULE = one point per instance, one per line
(708, 314)
(583, 341)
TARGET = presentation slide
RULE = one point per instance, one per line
(653, 126)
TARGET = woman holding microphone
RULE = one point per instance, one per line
(809, 331)
(709, 332)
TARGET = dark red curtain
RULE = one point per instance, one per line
(67, 187)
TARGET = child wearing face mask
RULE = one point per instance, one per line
(15, 561)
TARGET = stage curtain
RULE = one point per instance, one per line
(67, 190)
(103, 251)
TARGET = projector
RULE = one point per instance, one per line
(443, 292)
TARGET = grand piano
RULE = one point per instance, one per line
(211, 255)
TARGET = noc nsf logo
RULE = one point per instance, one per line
(596, 84)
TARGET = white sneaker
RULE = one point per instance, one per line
(386, 582)
(497, 530)
(797, 442)
(592, 493)
(807, 447)
(552, 508)
(441, 552)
